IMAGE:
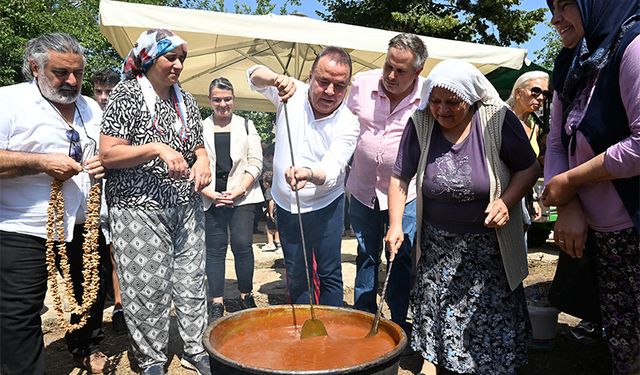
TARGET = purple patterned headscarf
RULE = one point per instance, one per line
(150, 45)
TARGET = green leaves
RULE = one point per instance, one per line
(21, 20)
(496, 22)
(553, 45)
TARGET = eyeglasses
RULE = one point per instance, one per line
(220, 100)
(75, 147)
(537, 91)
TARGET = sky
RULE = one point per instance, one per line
(310, 6)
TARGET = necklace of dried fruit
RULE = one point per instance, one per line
(90, 255)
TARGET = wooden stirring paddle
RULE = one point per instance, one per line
(376, 320)
(312, 327)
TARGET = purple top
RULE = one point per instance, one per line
(601, 203)
(456, 180)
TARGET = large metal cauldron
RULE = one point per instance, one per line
(249, 320)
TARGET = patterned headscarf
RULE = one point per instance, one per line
(150, 45)
(462, 79)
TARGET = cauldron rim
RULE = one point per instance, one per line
(395, 352)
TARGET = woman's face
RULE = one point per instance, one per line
(221, 101)
(167, 68)
(567, 21)
(531, 96)
(448, 109)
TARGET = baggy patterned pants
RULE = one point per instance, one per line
(160, 259)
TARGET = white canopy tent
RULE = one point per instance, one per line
(226, 44)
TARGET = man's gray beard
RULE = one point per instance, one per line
(56, 96)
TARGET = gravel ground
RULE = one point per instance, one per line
(561, 358)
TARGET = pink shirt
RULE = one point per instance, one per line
(602, 205)
(379, 139)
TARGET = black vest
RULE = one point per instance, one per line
(605, 123)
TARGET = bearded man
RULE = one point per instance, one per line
(47, 131)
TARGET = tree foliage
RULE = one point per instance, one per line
(21, 20)
(495, 22)
(547, 55)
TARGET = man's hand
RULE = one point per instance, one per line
(60, 166)
(200, 173)
(497, 214)
(286, 87)
(176, 164)
(94, 167)
(297, 177)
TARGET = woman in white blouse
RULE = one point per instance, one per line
(235, 156)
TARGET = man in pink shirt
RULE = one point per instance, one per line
(383, 99)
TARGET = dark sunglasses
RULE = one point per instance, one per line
(537, 91)
(75, 147)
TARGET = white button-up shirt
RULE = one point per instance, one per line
(29, 123)
(325, 143)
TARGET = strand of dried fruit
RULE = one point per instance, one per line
(90, 257)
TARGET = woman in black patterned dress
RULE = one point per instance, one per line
(152, 146)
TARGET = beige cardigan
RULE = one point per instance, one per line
(246, 157)
(511, 236)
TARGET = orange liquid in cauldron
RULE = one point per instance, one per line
(280, 347)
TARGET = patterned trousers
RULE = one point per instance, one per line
(160, 259)
(619, 279)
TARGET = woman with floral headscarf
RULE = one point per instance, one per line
(473, 164)
(592, 167)
(152, 146)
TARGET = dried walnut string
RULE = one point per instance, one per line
(90, 255)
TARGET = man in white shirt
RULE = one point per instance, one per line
(384, 100)
(47, 131)
(323, 134)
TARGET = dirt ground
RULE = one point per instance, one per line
(563, 357)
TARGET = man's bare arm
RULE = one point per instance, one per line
(19, 163)
(263, 77)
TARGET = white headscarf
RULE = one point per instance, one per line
(462, 79)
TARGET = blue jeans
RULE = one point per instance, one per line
(369, 226)
(219, 222)
(323, 237)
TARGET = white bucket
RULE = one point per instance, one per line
(544, 321)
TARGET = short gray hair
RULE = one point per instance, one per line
(337, 54)
(414, 44)
(38, 48)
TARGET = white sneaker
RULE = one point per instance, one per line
(269, 247)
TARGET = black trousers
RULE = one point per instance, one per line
(23, 285)
(219, 222)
